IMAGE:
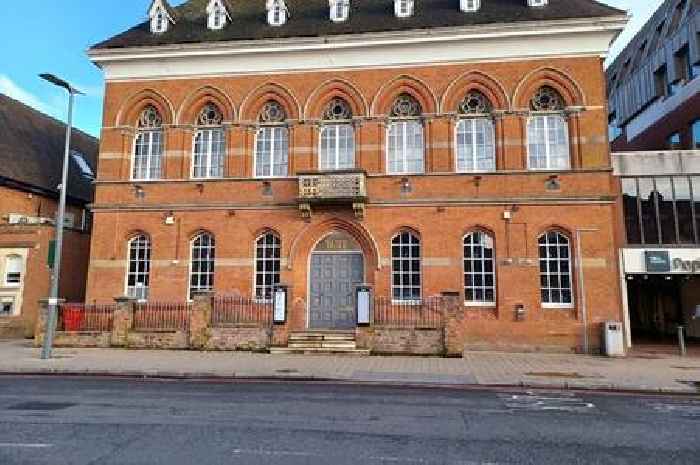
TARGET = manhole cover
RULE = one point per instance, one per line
(41, 406)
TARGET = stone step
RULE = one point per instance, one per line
(318, 351)
(296, 337)
(323, 345)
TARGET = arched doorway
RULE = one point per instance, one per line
(336, 267)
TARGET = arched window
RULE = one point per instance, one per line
(406, 267)
(148, 148)
(337, 137)
(547, 132)
(14, 267)
(203, 257)
(405, 137)
(139, 270)
(209, 144)
(272, 142)
(476, 150)
(268, 253)
(479, 269)
(555, 270)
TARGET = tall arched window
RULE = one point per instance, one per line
(337, 139)
(139, 270)
(14, 267)
(476, 150)
(479, 269)
(406, 267)
(555, 270)
(148, 148)
(547, 132)
(405, 145)
(268, 260)
(209, 144)
(203, 257)
(272, 142)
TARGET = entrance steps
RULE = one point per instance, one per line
(321, 342)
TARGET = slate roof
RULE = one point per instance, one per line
(32, 148)
(309, 18)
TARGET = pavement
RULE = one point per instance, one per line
(646, 372)
(107, 421)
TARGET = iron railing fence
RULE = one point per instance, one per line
(162, 316)
(75, 317)
(424, 313)
(235, 309)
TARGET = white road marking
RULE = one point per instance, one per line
(376, 458)
(25, 446)
(564, 402)
(687, 409)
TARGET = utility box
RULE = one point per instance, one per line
(613, 339)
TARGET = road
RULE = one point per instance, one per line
(81, 421)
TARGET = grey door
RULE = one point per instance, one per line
(333, 279)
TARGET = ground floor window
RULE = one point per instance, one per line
(406, 267)
(7, 306)
(267, 265)
(479, 271)
(555, 270)
(203, 260)
(139, 271)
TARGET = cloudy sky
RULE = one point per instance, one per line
(59, 33)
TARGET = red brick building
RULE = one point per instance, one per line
(416, 146)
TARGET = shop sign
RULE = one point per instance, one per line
(686, 266)
(658, 261)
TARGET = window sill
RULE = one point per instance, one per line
(558, 306)
(486, 305)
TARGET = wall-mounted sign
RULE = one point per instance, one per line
(280, 305)
(364, 305)
(657, 261)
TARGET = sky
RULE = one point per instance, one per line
(55, 37)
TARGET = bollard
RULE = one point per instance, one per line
(681, 341)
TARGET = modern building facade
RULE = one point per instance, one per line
(654, 86)
(418, 147)
(31, 159)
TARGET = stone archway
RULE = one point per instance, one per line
(336, 267)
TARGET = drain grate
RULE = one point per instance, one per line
(41, 406)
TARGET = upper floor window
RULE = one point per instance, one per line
(14, 267)
(479, 269)
(403, 8)
(209, 144)
(268, 262)
(337, 137)
(555, 270)
(148, 149)
(139, 267)
(218, 15)
(695, 129)
(469, 6)
(340, 10)
(203, 257)
(406, 267)
(159, 16)
(276, 12)
(272, 142)
(674, 141)
(475, 135)
(405, 144)
(547, 132)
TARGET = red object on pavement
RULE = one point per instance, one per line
(73, 316)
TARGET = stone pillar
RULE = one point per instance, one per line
(454, 324)
(42, 320)
(122, 321)
(200, 317)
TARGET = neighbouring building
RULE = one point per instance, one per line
(655, 121)
(418, 147)
(31, 159)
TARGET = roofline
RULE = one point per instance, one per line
(411, 36)
(32, 189)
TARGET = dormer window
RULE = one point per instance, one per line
(277, 12)
(469, 6)
(340, 10)
(537, 2)
(161, 15)
(403, 8)
(218, 14)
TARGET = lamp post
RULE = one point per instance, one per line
(63, 189)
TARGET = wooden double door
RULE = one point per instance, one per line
(333, 280)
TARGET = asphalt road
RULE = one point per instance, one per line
(124, 422)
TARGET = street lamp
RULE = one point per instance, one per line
(63, 189)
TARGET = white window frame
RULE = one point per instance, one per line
(206, 277)
(570, 274)
(547, 145)
(336, 139)
(136, 274)
(404, 123)
(483, 273)
(14, 311)
(18, 269)
(265, 271)
(473, 145)
(414, 240)
(272, 127)
(149, 158)
(208, 154)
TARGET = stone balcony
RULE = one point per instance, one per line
(347, 187)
